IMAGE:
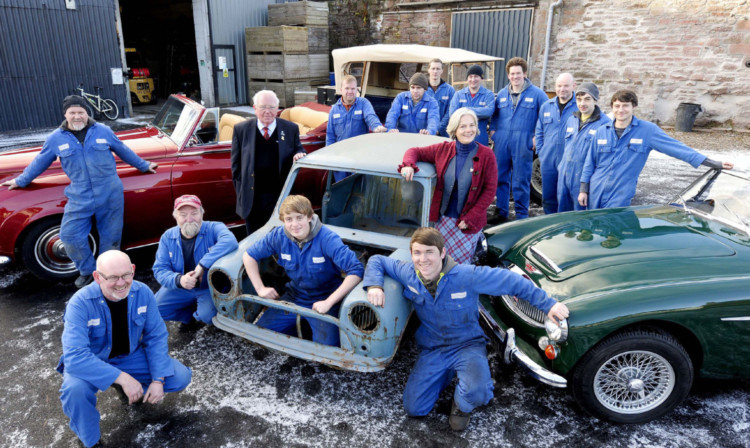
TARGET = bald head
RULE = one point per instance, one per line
(565, 85)
(112, 259)
(114, 274)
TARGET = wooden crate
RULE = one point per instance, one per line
(302, 96)
(298, 13)
(283, 89)
(287, 66)
(283, 39)
(317, 39)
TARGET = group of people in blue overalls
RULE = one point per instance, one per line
(563, 132)
(114, 328)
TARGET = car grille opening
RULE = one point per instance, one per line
(221, 282)
(364, 318)
(530, 314)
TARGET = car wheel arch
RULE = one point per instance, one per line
(687, 338)
(44, 222)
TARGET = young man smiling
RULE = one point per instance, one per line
(619, 151)
(442, 92)
(445, 296)
(578, 132)
(314, 258)
(413, 111)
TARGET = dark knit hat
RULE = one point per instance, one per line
(73, 100)
(419, 79)
(475, 70)
(590, 88)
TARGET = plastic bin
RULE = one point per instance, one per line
(686, 113)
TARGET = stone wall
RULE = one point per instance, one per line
(667, 51)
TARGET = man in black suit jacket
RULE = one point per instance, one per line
(263, 151)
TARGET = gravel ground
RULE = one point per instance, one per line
(243, 395)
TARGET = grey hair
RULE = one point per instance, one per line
(261, 93)
(456, 118)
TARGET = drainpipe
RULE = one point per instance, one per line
(546, 41)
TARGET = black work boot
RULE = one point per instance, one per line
(83, 280)
(458, 420)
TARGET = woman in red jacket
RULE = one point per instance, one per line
(466, 183)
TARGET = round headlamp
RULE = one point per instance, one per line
(557, 332)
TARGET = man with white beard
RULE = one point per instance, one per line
(186, 253)
(113, 335)
(85, 150)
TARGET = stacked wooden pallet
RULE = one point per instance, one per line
(291, 53)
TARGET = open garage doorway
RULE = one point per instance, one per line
(159, 36)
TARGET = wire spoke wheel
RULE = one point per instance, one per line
(634, 382)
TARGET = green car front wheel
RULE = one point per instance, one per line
(633, 377)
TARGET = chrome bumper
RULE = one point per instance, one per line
(511, 353)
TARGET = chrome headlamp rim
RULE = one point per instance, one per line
(552, 327)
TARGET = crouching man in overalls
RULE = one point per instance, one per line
(113, 334)
(445, 296)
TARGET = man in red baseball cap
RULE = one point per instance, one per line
(186, 253)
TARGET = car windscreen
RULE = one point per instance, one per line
(722, 195)
(175, 119)
(380, 204)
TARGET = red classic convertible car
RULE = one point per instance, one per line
(190, 143)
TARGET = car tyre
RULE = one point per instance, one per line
(633, 377)
(44, 255)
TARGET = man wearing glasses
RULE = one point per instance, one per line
(263, 150)
(113, 334)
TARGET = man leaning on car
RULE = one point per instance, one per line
(445, 296)
(95, 192)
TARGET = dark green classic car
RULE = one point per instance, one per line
(658, 295)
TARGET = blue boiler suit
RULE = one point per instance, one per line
(214, 240)
(577, 141)
(443, 95)
(95, 190)
(87, 342)
(613, 165)
(314, 271)
(550, 145)
(406, 117)
(450, 337)
(514, 130)
(343, 124)
(483, 104)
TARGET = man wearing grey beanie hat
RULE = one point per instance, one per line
(85, 149)
(577, 133)
(413, 111)
(477, 98)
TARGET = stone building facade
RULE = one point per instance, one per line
(668, 51)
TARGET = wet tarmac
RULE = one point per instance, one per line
(243, 395)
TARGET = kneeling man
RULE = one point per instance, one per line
(445, 296)
(186, 253)
(113, 334)
(314, 258)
